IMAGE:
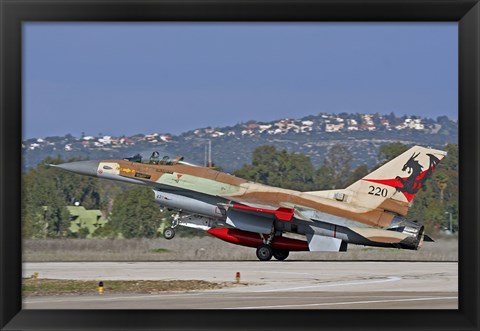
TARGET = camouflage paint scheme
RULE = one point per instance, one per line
(370, 212)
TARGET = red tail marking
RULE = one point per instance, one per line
(395, 183)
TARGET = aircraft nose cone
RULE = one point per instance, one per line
(88, 168)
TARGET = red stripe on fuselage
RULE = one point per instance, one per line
(283, 214)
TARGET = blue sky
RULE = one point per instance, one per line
(127, 78)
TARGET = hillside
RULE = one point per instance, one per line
(232, 146)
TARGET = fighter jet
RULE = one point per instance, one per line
(370, 212)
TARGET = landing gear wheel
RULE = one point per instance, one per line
(280, 254)
(169, 233)
(264, 252)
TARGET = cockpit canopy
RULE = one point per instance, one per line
(154, 158)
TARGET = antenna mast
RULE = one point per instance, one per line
(209, 153)
(205, 156)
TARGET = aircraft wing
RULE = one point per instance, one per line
(255, 217)
(270, 209)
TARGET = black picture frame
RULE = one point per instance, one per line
(14, 12)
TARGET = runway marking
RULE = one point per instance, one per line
(288, 273)
(155, 296)
(266, 271)
(345, 303)
(389, 279)
(160, 296)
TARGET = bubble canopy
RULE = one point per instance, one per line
(156, 158)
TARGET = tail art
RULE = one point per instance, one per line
(411, 184)
(400, 179)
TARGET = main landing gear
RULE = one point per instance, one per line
(280, 254)
(265, 253)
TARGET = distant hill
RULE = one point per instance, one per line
(232, 146)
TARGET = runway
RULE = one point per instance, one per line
(272, 285)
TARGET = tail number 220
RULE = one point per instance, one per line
(378, 191)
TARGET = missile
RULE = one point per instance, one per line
(252, 239)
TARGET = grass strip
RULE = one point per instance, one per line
(39, 287)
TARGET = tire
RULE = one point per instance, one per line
(280, 254)
(168, 233)
(264, 252)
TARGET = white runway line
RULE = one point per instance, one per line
(388, 279)
(156, 296)
(345, 303)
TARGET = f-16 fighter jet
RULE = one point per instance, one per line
(369, 212)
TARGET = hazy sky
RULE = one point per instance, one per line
(127, 78)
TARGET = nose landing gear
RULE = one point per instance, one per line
(169, 232)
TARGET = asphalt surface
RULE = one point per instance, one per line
(271, 285)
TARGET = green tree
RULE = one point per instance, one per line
(335, 170)
(357, 174)
(46, 191)
(135, 213)
(264, 161)
(441, 180)
(390, 151)
(77, 188)
(43, 208)
(324, 179)
(279, 168)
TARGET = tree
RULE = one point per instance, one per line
(336, 167)
(359, 172)
(279, 168)
(324, 178)
(47, 192)
(43, 208)
(135, 213)
(392, 119)
(442, 182)
(390, 151)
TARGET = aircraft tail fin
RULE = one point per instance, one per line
(399, 179)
